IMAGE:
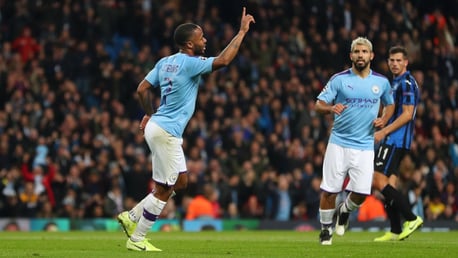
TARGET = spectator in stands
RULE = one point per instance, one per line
(29, 200)
(41, 176)
(372, 209)
(26, 45)
(282, 201)
(434, 208)
(252, 208)
(450, 198)
(204, 205)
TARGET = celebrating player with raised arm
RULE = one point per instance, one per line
(178, 77)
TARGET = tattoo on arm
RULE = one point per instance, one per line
(146, 102)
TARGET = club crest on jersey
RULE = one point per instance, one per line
(375, 89)
(173, 178)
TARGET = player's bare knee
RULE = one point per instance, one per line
(162, 191)
(326, 195)
(392, 180)
(182, 182)
(379, 181)
(329, 198)
(357, 198)
(378, 185)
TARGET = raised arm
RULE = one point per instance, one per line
(231, 50)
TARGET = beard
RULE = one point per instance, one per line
(199, 51)
(360, 66)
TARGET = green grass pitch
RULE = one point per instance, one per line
(85, 244)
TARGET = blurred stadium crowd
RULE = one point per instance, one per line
(69, 139)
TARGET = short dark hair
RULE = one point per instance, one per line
(183, 33)
(398, 49)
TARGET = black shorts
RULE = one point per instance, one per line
(388, 158)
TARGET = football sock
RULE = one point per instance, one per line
(349, 205)
(395, 199)
(395, 218)
(326, 218)
(151, 210)
(136, 212)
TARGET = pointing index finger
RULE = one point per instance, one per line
(243, 11)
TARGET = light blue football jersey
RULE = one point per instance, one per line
(354, 127)
(179, 77)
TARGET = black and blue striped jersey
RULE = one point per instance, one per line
(405, 92)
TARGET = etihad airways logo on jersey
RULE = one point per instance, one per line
(361, 102)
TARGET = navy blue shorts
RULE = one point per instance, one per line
(388, 158)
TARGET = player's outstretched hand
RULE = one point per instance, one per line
(247, 19)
